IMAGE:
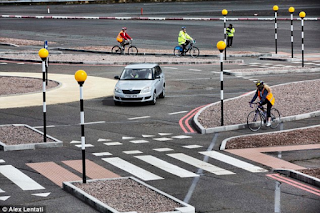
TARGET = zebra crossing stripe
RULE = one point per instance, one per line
(200, 164)
(132, 169)
(1, 191)
(4, 198)
(168, 167)
(233, 161)
(19, 178)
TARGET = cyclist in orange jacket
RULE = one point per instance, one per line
(266, 97)
(123, 38)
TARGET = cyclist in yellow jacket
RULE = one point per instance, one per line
(266, 97)
(184, 39)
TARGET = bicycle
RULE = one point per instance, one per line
(259, 115)
(194, 51)
(132, 50)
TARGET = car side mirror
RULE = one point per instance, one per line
(117, 77)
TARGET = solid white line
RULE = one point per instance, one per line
(233, 161)
(19, 178)
(95, 122)
(135, 118)
(200, 164)
(174, 113)
(132, 169)
(168, 167)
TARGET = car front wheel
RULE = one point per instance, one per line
(154, 98)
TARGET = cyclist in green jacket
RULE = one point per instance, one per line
(184, 39)
(230, 34)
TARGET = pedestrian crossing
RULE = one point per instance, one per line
(23, 181)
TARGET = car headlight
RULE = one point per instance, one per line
(117, 89)
(146, 90)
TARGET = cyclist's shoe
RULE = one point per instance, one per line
(268, 123)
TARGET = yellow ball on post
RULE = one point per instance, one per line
(302, 14)
(80, 76)
(224, 12)
(43, 53)
(275, 8)
(291, 9)
(221, 45)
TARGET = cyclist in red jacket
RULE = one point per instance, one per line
(123, 38)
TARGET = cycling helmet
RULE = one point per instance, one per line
(258, 83)
(183, 28)
(124, 28)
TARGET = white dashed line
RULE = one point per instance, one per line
(113, 144)
(136, 118)
(174, 113)
(102, 154)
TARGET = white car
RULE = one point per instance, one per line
(140, 83)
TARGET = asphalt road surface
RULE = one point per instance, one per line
(144, 128)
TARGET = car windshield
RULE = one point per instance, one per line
(137, 74)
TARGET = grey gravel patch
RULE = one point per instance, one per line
(126, 194)
(21, 136)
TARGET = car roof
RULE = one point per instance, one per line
(141, 66)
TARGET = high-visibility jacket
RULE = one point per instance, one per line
(183, 37)
(122, 35)
(269, 96)
(230, 32)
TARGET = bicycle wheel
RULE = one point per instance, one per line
(194, 52)
(254, 121)
(176, 51)
(275, 118)
(116, 50)
(132, 50)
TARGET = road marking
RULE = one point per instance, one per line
(96, 122)
(132, 152)
(197, 70)
(19, 178)
(1, 191)
(168, 167)
(147, 136)
(200, 164)
(75, 142)
(132, 169)
(233, 161)
(164, 134)
(101, 140)
(174, 113)
(162, 139)
(139, 141)
(86, 145)
(163, 149)
(136, 118)
(192, 146)
(296, 184)
(4, 198)
(2, 161)
(182, 136)
(127, 138)
(42, 194)
(113, 144)
(101, 154)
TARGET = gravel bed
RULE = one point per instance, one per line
(312, 172)
(20, 85)
(16, 135)
(291, 99)
(127, 195)
(294, 137)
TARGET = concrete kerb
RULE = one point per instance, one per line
(55, 143)
(102, 207)
(299, 176)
